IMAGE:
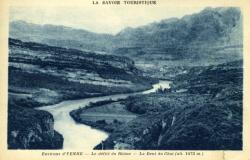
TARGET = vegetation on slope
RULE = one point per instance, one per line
(202, 111)
(47, 75)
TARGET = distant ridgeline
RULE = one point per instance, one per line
(212, 27)
(42, 75)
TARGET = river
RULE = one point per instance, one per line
(80, 136)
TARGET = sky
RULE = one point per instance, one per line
(102, 19)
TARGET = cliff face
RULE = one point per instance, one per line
(210, 26)
(31, 129)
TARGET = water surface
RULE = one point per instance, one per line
(80, 136)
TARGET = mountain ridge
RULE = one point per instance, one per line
(211, 24)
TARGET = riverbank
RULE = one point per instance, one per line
(87, 137)
(107, 115)
(103, 115)
(202, 111)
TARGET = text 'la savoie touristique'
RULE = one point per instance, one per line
(125, 2)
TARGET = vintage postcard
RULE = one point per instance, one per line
(124, 79)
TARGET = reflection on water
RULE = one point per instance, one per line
(80, 136)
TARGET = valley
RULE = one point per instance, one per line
(175, 84)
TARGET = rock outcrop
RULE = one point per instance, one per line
(31, 129)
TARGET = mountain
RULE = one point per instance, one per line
(194, 39)
(42, 75)
(213, 36)
(60, 36)
(212, 26)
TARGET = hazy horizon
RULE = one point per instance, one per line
(107, 20)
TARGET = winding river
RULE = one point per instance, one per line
(80, 136)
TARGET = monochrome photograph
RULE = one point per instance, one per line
(116, 80)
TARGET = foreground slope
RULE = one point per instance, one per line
(203, 110)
